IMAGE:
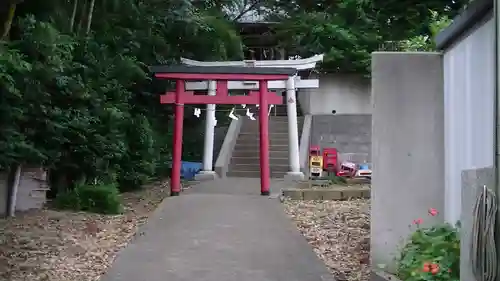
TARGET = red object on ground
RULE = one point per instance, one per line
(265, 173)
(347, 170)
(330, 159)
(175, 184)
(222, 75)
(314, 150)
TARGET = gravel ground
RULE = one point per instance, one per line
(339, 232)
(63, 246)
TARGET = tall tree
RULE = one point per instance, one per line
(347, 31)
(76, 95)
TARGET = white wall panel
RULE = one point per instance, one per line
(469, 111)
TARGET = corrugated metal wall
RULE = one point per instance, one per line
(469, 111)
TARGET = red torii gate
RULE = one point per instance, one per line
(221, 74)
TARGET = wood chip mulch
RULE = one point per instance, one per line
(339, 232)
(48, 245)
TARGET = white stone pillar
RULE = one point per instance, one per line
(293, 134)
(208, 150)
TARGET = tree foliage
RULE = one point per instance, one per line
(347, 31)
(426, 42)
(76, 95)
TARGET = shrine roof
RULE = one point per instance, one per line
(222, 70)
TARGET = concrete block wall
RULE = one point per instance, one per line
(407, 147)
(344, 93)
(31, 192)
(33, 187)
(349, 133)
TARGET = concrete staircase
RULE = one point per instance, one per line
(245, 158)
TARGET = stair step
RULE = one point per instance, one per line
(255, 153)
(245, 160)
(41, 189)
(271, 134)
(271, 123)
(282, 117)
(256, 161)
(256, 147)
(252, 174)
(283, 127)
(254, 167)
(256, 136)
(272, 131)
(38, 194)
(251, 142)
(256, 124)
(275, 118)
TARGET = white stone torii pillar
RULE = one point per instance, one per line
(290, 86)
(208, 148)
(293, 131)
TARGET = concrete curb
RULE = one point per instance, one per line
(337, 193)
(304, 144)
(222, 163)
(382, 276)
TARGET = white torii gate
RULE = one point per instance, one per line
(290, 86)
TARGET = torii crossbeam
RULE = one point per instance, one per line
(221, 75)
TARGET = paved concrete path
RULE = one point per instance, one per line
(219, 231)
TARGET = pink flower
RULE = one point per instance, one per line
(433, 212)
(418, 221)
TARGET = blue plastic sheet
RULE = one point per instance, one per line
(364, 167)
(189, 169)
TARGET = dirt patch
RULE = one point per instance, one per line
(63, 246)
(339, 232)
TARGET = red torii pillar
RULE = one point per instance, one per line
(222, 75)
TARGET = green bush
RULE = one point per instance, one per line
(103, 199)
(334, 179)
(432, 253)
(138, 165)
(67, 200)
